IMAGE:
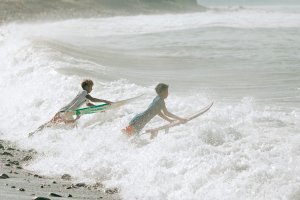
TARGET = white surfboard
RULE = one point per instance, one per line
(176, 123)
(101, 107)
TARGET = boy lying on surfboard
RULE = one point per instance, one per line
(157, 107)
(63, 116)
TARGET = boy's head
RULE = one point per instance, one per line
(87, 85)
(162, 90)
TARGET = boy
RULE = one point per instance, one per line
(63, 116)
(157, 107)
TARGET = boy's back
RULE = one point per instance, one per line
(140, 120)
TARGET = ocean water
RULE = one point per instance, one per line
(246, 60)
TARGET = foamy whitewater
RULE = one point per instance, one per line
(245, 60)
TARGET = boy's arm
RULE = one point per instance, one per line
(171, 115)
(89, 104)
(164, 117)
(89, 97)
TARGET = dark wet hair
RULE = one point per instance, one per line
(161, 87)
(86, 83)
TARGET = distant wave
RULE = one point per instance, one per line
(11, 10)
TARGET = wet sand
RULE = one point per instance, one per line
(17, 183)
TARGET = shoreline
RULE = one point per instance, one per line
(17, 183)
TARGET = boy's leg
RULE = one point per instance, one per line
(167, 130)
(67, 118)
(64, 117)
(59, 117)
(153, 134)
(54, 120)
(129, 130)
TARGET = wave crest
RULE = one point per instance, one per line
(60, 9)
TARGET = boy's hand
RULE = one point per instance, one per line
(171, 120)
(109, 102)
(183, 121)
